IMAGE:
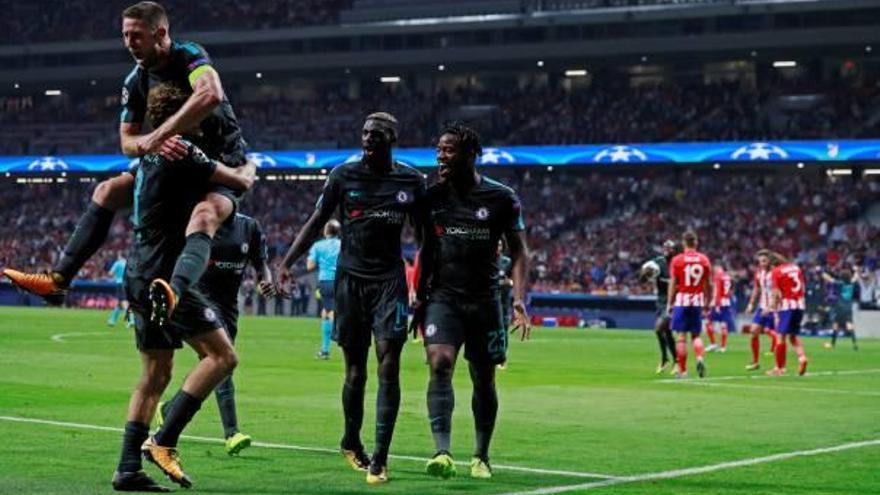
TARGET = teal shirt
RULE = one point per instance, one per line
(325, 253)
(117, 270)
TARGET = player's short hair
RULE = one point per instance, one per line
(164, 100)
(332, 228)
(150, 12)
(468, 138)
(776, 258)
(387, 119)
(689, 239)
(763, 252)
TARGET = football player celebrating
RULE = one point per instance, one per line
(789, 302)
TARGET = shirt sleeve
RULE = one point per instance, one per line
(514, 222)
(196, 60)
(133, 100)
(330, 196)
(313, 253)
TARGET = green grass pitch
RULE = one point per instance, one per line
(579, 401)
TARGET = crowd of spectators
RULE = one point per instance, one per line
(588, 232)
(604, 112)
(60, 20)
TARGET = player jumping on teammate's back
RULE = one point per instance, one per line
(145, 31)
(763, 321)
(322, 257)
(374, 197)
(657, 269)
(789, 304)
(722, 309)
(165, 196)
(690, 291)
(458, 291)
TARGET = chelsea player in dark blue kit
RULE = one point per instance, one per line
(373, 196)
(238, 242)
(459, 291)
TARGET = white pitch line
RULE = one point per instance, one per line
(300, 448)
(765, 377)
(678, 473)
(59, 337)
(783, 387)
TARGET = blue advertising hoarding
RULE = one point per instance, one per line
(843, 151)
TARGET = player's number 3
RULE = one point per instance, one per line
(693, 275)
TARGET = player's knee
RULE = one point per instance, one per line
(204, 219)
(104, 195)
(228, 361)
(355, 377)
(441, 365)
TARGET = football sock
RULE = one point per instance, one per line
(799, 348)
(191, 263)
(353, 408)
(90, 232)
(441, 402)
(852, 335)
(833, 337)
(780, 354)
(114, 315)
(699, 348)
(387, 406)
(681, 353)
(326, 330)
(670, 343)
(710, 332)
(135, 435)
(724, 332)
(181, 411)
(225, 394)
(484, 404)
(756, 348)
(661, 340)
(774, 339)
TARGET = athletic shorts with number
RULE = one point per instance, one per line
(193, 316)
(476, 324)
(765, 320)
(790, 321)
(369, 308)
(687, 319)
(328, 296)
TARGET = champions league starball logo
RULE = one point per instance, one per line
(495, 156)
(760, 151)
(47, 164)
(616, 154)
(482, 213)
(402, 197)
(261, 160)
(430, 330)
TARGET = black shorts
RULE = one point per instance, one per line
(228, 192)
(229, 322)
(328, 296)
(477, 324)
(842, 314)
(194, 315)
(366, 308)
(119, 293)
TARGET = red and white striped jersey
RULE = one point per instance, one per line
(764, 284)
(722, 290)
(788, 279)
(690, 270)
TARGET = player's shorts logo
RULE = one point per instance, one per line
(402, 197)
(124, 98)
(210, 315)
(430, 330)
(482, 213)
(244, 248)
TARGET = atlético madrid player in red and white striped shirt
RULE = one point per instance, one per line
(690, 293)
(789, 303)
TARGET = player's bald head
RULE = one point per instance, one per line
(332, 228)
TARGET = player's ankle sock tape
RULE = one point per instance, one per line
(183, 407)
(225, 394)
(134, 435)
(191, 263)
(90, 233)
(387, 406)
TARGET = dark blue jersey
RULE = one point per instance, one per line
(464, 230)
(222, 137)
(237, 243)
(373, 207)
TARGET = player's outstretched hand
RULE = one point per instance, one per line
(521, 321)
(267, 289)
(282, 274)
